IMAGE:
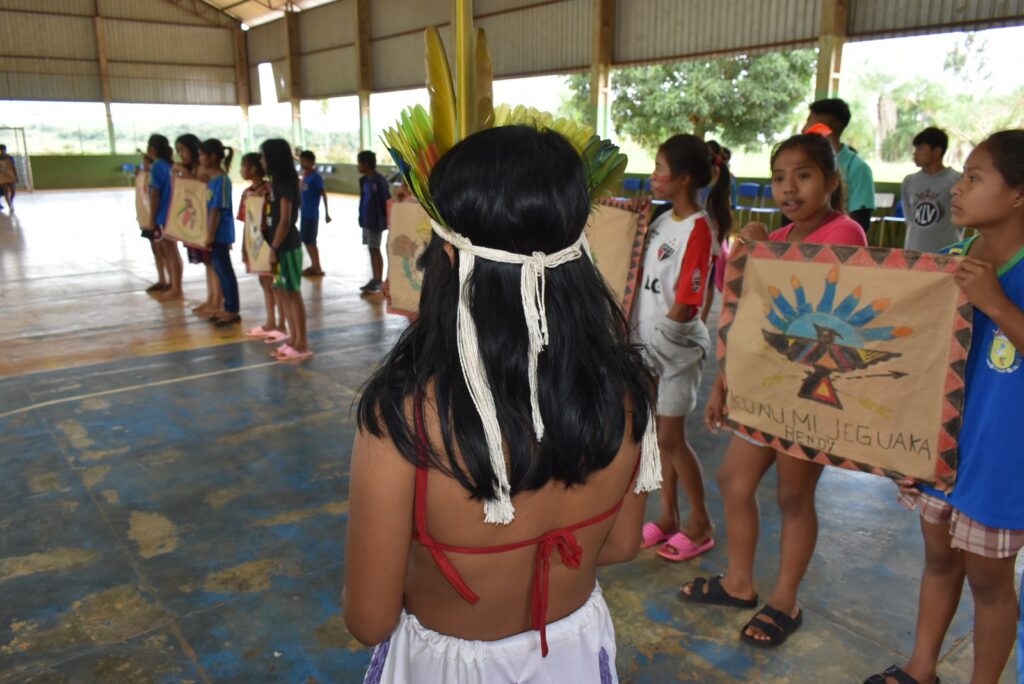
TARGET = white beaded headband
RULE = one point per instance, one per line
(499, 510)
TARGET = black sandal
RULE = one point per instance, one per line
(777, 631)
(716, 595)
(896, 673)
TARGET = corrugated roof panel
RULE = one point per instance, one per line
(398, 61)
(329, 73)
(149, 11)
(327, 26)
(141, 90)
(266, 42)
(60, 88)
(543, 38)
(654, 30)
(484, 7)
(172, 84)
(138, 41)
(82, 7)
(878, 18)
(45, 35)
(255, 95)
(399, 16)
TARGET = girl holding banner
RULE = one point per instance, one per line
(807, 186)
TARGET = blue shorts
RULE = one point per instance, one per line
(308, 228)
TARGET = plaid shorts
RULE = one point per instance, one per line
(965, 533)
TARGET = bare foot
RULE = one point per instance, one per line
(171, 295)
(698, 531)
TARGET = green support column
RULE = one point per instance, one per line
(603, 30)
(834, 18)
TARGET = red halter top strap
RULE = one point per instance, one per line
(561, 538)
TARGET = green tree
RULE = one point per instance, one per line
(744, 100)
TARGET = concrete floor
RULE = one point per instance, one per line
(173, 503)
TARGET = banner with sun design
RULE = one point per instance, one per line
(615, 232)
(847, 356)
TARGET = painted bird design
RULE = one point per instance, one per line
(829, 338)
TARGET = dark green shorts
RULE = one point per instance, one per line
(289, 271)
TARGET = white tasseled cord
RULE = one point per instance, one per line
(649, 477)
(532, 287)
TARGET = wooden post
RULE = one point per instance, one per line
(603, 29)
(834, 19)
(242, 95)
(294, 72)
(101, 48)
(364, 71)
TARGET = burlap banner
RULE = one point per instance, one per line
(187, 215)
(142, 208)
(615, 232)
(848, 356)
(256, 247)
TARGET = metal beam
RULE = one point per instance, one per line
(364, 71)
(209, 13)
(101, 49)
(603, 31)
(835, 16)
(293, 69)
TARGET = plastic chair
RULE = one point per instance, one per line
(897, 218)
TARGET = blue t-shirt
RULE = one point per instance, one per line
(220, 198)
(312, 187)
(991, 466)
(373, 202)
(160, 180)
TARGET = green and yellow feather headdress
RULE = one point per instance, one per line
(420, 138)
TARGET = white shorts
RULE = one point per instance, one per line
(581, 648)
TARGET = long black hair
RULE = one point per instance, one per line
(253, 159)
(819, 150)
(1007, 150)
(280, 164)
(589, 378)
(191, 143)
(223, 153)
(161, 146)
(688, 155)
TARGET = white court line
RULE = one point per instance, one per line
(170, 381)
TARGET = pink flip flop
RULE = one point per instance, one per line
(679, 547)
(287, 353)
(275, 337)
(651, 535)
(258, 331)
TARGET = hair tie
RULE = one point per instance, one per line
(820, 129)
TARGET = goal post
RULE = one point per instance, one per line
(17, 149)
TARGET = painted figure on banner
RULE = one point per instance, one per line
(830, 338)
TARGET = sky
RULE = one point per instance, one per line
(905, 58)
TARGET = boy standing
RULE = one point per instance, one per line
(373, 215)
(860, 183)
(312, 191)
(8, 177)
(926, 195)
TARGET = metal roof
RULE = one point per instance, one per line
(256, 12)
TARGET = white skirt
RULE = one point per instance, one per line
(581, 648)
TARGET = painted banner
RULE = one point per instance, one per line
(142, 209)
(256, 247)
(848, 356)
(615, 233)
(187, 215)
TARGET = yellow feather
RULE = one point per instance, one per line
(484, 83)
(442, 93)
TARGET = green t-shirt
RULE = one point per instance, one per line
(860, 184)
